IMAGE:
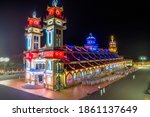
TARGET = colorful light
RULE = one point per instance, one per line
(50, 67)
(54, 54)
(55, 11)
(34, 22)
(50, 37)
(91, 43)
(29, 42)
(31, 56)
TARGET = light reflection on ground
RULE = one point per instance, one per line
(73, 93)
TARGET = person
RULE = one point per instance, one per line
(133, 76)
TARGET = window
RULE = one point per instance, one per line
(58, 42)
(40, 66)
(29, 42)
(58, 66)
(50, 37)
(36, 46)
(75, 76)
(58, 32)
(36, 39)
(69, 79)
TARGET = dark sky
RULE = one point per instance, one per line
(127, 20)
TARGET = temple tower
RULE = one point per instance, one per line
(55, 24)
(113, 45)
(33, 33)
(33, 44)
(91, 43)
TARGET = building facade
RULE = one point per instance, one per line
(57, 66)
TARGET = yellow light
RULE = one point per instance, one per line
(112, 38)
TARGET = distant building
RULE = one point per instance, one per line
(129, 63)
(58, 66)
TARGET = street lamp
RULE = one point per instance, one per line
(143, 58)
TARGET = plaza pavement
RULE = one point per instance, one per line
(127, 88)
(73, 93)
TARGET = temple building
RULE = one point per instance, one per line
(59, 66)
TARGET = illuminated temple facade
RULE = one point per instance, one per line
(58, 66)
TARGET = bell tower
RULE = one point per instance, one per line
(54, 26)
(54, 53)
(33, 33)
(113, 45)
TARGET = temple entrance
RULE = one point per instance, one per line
(40, 79)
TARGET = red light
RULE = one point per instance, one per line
(31, 56)
(53, 11)
(59, 54)
(48, 54)
(34, 22)
(54, 54)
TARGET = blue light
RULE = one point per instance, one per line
(50, 37)
(70, 46)
(29, 42)
(75, 76)
(91, 43)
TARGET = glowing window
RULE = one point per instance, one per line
(75, 76)
(36, 46)
(36, 38)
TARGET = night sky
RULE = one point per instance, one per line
(127, 20)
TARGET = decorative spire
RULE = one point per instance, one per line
(91, 36)
(55, 3)
(112, 38)
(34, 14)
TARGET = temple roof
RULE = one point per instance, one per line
(80, 57)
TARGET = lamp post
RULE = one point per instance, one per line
(143, 58)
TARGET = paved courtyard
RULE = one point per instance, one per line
(126, 88)
(19, 86)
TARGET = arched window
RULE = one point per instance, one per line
(83, 73)
(29, 42)
(91, 72)
(97, 70)
(88, 72)
(79, 75)
(50, 35)
(75, 76)
(69, 79)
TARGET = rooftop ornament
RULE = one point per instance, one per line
(55, 3)
(34, 14)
